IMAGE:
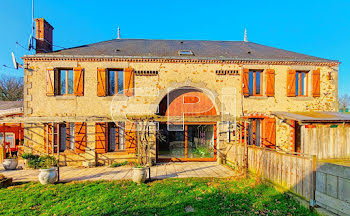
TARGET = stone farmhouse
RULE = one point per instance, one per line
(84, 103)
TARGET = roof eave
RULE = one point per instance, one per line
(28, 57)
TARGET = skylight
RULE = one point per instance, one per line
(185, 52)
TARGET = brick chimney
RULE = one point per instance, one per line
(43, 36)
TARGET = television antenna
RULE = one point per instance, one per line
(16, 65)
(31, 38)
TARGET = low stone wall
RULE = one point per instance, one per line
(333, 187)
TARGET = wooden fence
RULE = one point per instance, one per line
(295, 173)
(326, 141)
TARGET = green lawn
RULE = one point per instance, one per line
(166, 197)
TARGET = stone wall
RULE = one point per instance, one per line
(225, 89)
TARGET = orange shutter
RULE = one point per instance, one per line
(130, 137)
(270, 133)
(245, 82)
(101, 137)
(50, 82)
(316, 83)
(80, 137)
(78, 81)
(291, 83)
(270, 82)
(128, 81)
(101, 82)
(48, 137)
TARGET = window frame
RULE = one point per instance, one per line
(252, 140)
(298, 76)
(68, 136)
(59, 93)
(121, 129)
(117, 91)
(255, 83)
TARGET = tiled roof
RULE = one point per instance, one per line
(314, 116)
(202, 49)
(5, 105)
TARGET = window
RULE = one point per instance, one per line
(72, 136)
(185, 52)
(66, 81)
(116, 136)
(10, 138)
(301, 83)
(67, 136)
(254, 132)
(115, 82)
(255, 82)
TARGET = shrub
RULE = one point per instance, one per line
(118, 164)
(29, 156)
(42, 162)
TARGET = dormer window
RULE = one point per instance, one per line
(185, 52)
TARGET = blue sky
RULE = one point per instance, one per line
(319, 28)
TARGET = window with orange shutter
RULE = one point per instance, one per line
(255, 82)
(65, 81)
(301, 80)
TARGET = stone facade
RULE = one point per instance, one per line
(226, 91)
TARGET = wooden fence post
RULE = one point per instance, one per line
(313, 182)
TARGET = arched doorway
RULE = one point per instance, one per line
(190, 141)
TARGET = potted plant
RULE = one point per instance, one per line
(139, 174)
(10, 163)
(139, 170)
(27, 157)
(47, 165)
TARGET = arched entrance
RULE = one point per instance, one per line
(190, 141)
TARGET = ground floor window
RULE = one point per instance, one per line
(9, 139)
(254, 132)
(116, 136)
(67, 132)
(194, 142)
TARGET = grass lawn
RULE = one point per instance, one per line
(198, 196)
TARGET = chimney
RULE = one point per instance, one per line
(43, 36)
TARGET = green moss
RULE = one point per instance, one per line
(206, 196)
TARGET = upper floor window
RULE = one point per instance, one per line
(255, 82)
(115, 82)
(66, 82)
(301, 83)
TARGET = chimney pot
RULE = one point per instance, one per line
(43, 35)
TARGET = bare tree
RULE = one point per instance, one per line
(11, 88)
(344, 102)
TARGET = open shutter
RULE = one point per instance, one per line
(50, 82)
(130, 137)
(270, 133)
(316, 83)
(291, 83)
(270, 82)
(101, 82)
(245, 82)
(101, 137)
(78, 81)
(129, 81)
(48, 138)
(80, 137)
